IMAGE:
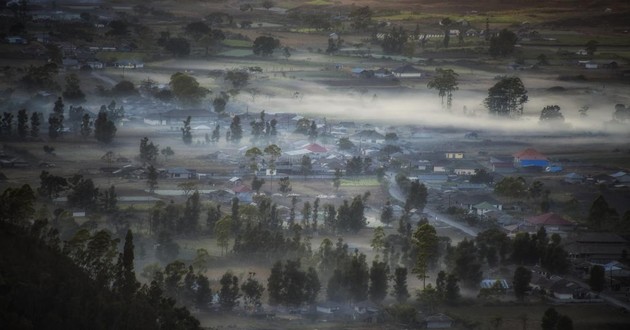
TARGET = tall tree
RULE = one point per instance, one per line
(186, 131)
(522, 277)
(236, 131)
(400, 292)
(148, 150)
(73, 92)
(104, 129)
(35, 122)
(152, 177)
(597, 278)
(445, 82)
(55, 120)
(252, 291)
(507, 97)
(550, 319)
(229, 292)
(379, 274)
(22, 124)
(86, 125)
(426, 241)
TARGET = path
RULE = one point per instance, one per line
(103, 78)
(395, 192)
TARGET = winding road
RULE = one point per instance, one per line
(394, 192)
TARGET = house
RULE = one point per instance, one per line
(465, 167)
(181, 173)
(551, 222)
(328, 307)
(483, 208)
(95, 65)
(502, 164)
(598, 247)
(621, 177)
(473, 202)
(70, 63)
(243, 193)
(176, 117)
(16, 40)
(454, 155)
(530, 158)
(490, 283)
(438, 321)
(129, 64)
(407, 71)
(573, 178)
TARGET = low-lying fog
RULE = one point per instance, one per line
(423, 109)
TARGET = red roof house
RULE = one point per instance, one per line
(314, 147)
(550, 220)
(530, 157)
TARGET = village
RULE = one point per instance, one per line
(269, 168)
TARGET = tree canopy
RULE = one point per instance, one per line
(507, 97)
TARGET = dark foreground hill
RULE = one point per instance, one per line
(40, 288)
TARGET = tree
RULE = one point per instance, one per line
(236, 131)
(222, 230)
(152, 177)
(445, 82)
(17, 204)
(378, 239)
(252, 291)
(502, 44)
(400, 285)
(511, 187)
(83, 193)
(591, 47)
(264, 46)
(379, 274)
(345, 144)
(237, 77)
(179, 47)
(35, 122)
(564, 323)
(551, 113)
(127, 284)
(148, 151)
(481, 176)
(597, 278)
(337, 179)
(104, 129)
(86, 125)
(361, 18)
(466, 266)
(216, 134)
(197, 30)
(507, 97)
(426, 242)
(395, 41)
(186, 89)
(219, 104)
(601, 215)
(387, 213)
(186, 132)
(284, 185)
(257, 183)
(522, 277)
(73, 92)
(451, 290)
(274, 284)
(51, 185)
(124, 88)
(416, 196)
(550, 319)
(22, 125)
(229, 292)
(167, 152)
(306, 165)
(55, 120)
